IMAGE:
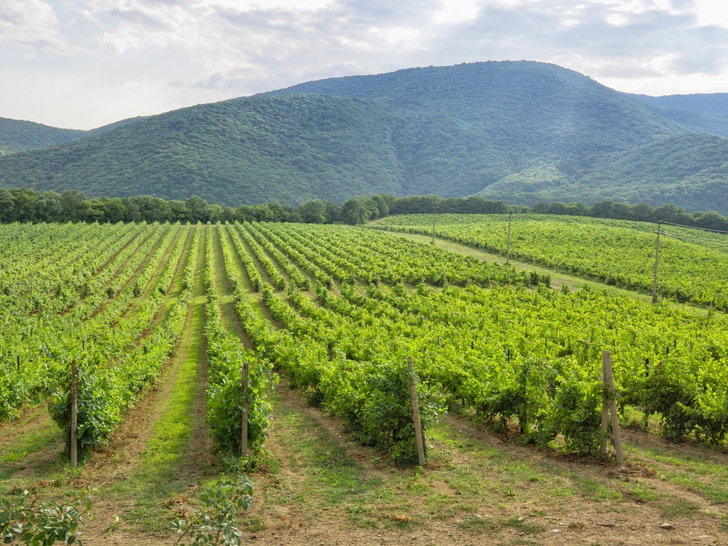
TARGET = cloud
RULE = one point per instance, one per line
(31, 24)
(206, 50)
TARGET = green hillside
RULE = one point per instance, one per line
(256, 150)
(20, 136)
(710, 104)
(690, 170)
(706, 113)
(467, 126)
(518, 131)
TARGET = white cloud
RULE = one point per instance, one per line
(31, 24)
(179, 52)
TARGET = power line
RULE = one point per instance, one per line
(695, 227)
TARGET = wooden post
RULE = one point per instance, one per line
(419, 440)
(616, 434)
(244, 437)
(657, 260)
(605, 412)
(74, 414)
(18, 363)
(508, 244)
(433, 224)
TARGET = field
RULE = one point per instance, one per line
(693, 264)
(158, 320)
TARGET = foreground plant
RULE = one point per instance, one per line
(42, 523)
(217, 522)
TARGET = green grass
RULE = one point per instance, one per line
(159, 477)
(15, 455)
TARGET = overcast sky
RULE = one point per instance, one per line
(85, 63)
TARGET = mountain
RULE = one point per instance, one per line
(518, 131)
(707, 113)
(690, 170)
(22, 136)
(289, 149)
(19, 136)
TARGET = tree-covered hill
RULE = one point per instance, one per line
(19, 136)
(702, 112)
(22, 136)
(518, 131)
(690, 168)
(256, 150)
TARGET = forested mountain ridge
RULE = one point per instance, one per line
(520, 131)
(701, 112)
(22, 136)
(262, 149)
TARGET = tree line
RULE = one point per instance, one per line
(28, 205)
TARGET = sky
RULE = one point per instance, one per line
(85, 63)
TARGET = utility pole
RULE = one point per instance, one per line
(657, 260)
(508, 244)
(387, 228)
(433, 223)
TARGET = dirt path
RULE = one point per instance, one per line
(321, 487)
(226, 298)
(163, 451)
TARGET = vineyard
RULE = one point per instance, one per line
(334, 312)
(693, 265)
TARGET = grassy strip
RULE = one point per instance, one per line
(159, 477)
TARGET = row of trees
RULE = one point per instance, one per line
(27, 205)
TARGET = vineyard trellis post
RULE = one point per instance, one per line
(508, 242)
(434, 208)
(609, 406)
(419, 439)
(657, 260)
(74, 414)
(244, 435)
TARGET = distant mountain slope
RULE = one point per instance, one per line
(22, 136)
(691, 170)
(710, 104)
(19, 136)
(706, 113)
(517, 131)
(464, 127)
(289, 149)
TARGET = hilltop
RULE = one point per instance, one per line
(521, 131)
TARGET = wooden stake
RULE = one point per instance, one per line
(433, 224)
(508, 244)
(657, 260)
(419, 440)
(605, 412)
(244, 438)
(609, 381)
(74, 414)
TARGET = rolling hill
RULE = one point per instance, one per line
(22, 136)
(519, 131)
(707, 113)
